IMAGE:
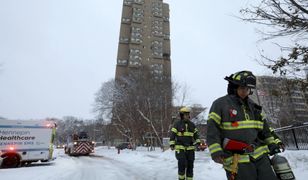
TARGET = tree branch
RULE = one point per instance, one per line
(151, 123)
(299, 6)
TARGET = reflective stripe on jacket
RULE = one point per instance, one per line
(184, 135)
(232, 118)
(276, 137)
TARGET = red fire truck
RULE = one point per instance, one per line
(79, 144)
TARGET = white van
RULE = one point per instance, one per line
(23, 141)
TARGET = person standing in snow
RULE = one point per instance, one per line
(237, 133)
(184, 137)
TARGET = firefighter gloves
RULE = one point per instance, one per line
(274, 149)
(281, 146)
(250, 148)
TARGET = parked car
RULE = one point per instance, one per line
(125, 145)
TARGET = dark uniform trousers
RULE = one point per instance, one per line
(185, 162)
(259, 169)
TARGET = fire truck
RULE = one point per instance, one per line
(25, 141)
(79, 144)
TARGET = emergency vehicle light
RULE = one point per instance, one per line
(11, 148)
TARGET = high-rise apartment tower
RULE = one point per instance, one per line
(144, 38)
(143, 70)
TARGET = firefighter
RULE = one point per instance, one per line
(238, 135)
(184, 137)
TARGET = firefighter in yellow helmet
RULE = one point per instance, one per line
(184, 137)
(238, 135)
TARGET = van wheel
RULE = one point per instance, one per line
(10, 161)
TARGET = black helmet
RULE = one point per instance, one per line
(242, 78)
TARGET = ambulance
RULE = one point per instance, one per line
(26, 141)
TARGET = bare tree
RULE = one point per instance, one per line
(104, 101)
(181, 94)
(282, 100)
(105, 98)
(276, 103)
(67, 126)
(284, 18)
(137, 104)
(148, 100)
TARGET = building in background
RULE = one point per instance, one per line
(200, 121)
(142, 105)
(144, 38)
(284, 101)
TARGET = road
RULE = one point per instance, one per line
(107, 164)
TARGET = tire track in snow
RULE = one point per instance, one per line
(93, 168)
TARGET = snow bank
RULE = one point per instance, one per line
(141, 164)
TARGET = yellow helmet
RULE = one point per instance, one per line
(184, 110)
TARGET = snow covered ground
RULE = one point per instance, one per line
(141, 164)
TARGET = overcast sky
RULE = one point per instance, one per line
(55, 54)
